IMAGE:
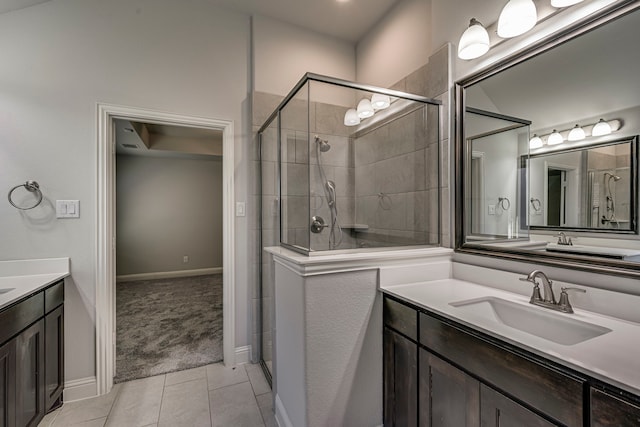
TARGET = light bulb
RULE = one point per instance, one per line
(601, 128)
(564, 3)
(365, 109)
(535, 142)
(474, 42)
(576, 134)
(380, 101)
(517, 17)
(351, 118)
(555, 138)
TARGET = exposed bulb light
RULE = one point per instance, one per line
(555, 138)
(351, 118)
(380, 101)
(564, 3)
(601, 128)
(535, 142)
(576, 134)
(365, 109)
(517, 17)
(474, 42)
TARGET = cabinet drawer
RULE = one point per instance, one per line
(401, 318)
(53, 296)
(609, 411)
(16, 318)
(549, 391)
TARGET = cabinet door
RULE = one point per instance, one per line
(8, 384)
(30, 376)
(609, 411)
(400, 380)
(499, 411)
(54, 357)
(448, 396)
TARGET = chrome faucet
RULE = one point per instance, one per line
(564, 240)
(548, 300)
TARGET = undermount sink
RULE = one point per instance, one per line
(552, 326)
(5, 290)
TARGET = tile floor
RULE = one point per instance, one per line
(210, 396)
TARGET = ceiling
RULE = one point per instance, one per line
(589, 76)
(348, 20)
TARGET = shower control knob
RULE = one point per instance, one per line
(317, 224)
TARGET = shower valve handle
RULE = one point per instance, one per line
(317, 224)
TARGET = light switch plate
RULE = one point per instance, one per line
(240, 209)
(67, 208)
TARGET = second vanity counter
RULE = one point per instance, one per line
(21, 278)
(613, 357)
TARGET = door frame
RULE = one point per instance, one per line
(105, 218)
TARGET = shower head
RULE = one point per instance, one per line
(615, 177)
(322, 144)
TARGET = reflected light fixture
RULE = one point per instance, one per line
(535, 142)
(564, 3)
(351, 118)
(474, 42)
(365, 109)
(517, 17)
(601, 128)
(555, 138)
(380, 101)
(576, 134)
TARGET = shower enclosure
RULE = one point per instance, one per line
(346, 167)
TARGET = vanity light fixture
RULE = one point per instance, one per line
(380, 101)
(351, 118)
(474, 42)
(517, 17)
(365, 109)
(601, 128)
(564, 3)
(576, 134)
(555, 138)
(535, 142)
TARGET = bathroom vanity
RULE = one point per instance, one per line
(448, 362)
(31, 341)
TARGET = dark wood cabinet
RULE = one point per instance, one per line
(401, 380)
(609, 411)
(30, 376)
(448, 396)
(32, 357)
(7, 384)
(497, 410)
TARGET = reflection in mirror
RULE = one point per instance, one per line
(578, 182)
(590, 188)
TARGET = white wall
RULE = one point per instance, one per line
(167, 208)
(283, 53)
(62, 57)
(397, 46)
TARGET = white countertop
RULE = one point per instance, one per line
(613, 357)
(25, 277)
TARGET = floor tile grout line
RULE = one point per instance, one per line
(164, 381)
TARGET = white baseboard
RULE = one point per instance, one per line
(282, 418)
(243, 354)
(168, 274)
(84, 388)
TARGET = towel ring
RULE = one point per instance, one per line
(502, 201)
(30, 186)
(536, 204)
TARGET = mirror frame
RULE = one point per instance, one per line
(576, 262)
(633, 191)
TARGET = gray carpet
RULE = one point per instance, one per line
(167, 325)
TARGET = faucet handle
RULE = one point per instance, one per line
(564, 299)
(535, 296)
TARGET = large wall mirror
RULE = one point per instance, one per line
(547, 146)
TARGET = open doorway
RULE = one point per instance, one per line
(169, 271)
(106, 230)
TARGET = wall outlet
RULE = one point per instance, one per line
(492, 209)
(185, 259)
